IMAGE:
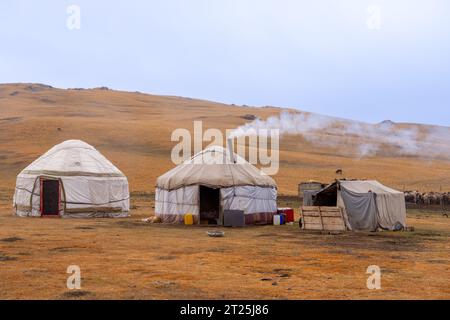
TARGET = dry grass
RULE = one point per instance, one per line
(130, 259)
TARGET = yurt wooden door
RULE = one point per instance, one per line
(50, 197)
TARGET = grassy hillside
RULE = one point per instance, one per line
(133, 130)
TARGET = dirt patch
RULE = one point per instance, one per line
(23, 253)
(85, 228)
(164, 284)
(76, 294)
(142, 194)
(11, 239)
(360, 241)
(283, 273)
(131, 224)
(81, 115)
(340, 251)
(10, 119)
(249, 117)
(4, 257)
(166, 257)
(429, 234)
(268, 235)
(48, 101)
(218, 250)
(438, 261)
(61, 249)
(34, 272)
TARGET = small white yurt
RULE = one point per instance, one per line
(72, 179)
(212, 181)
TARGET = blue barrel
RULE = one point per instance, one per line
(282, 218)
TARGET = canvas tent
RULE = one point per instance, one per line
(72, 179)
(366, 205)
(211, 182)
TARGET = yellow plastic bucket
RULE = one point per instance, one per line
(188, 219)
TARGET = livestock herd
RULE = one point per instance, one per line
(428, 198)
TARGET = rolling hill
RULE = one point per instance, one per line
(134, 131)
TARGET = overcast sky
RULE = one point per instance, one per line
(358, 59)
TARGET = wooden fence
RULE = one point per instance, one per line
(322, 218)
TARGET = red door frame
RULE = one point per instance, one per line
(42, 179)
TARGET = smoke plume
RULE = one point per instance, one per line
(364, 139)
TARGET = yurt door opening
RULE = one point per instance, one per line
(50, 197)
(209, 205)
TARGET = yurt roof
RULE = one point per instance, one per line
(214, 168)
(73, 158)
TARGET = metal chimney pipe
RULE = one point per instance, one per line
(230, 149)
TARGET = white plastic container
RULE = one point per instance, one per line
(276, 220)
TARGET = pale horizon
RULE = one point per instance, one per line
(361, 60)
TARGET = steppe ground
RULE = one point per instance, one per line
(130, 259)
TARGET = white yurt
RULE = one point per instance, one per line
(72, 179)
(211, 182)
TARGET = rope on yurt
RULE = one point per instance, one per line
(232, 178)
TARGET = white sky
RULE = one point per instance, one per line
(313, 55)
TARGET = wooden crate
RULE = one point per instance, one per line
(322, 218)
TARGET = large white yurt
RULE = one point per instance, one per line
(211, 182)
(72, 179)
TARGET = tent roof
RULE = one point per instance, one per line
(213, 167)
(73, 158)
(358, 186)
(364, 186)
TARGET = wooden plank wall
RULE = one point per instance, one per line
(322, 218)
